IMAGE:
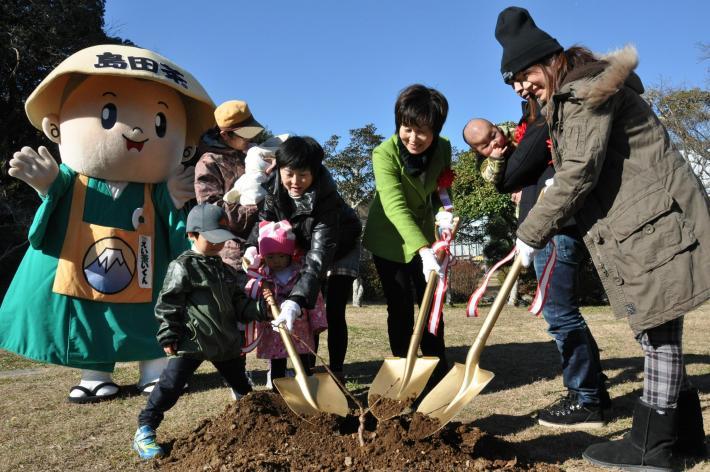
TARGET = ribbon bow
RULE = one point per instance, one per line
(540, 294)
(443, 245)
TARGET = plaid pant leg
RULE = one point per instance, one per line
(663, 370)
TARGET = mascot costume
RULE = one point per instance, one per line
(111, 216)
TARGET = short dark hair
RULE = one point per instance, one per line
(300, 152)
(421, 106)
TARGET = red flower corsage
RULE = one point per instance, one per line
(520, 131)
(446, 178)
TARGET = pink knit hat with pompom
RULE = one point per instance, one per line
(276, 237)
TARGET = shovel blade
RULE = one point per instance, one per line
(388, 384)
(448, 398)
(323, 390)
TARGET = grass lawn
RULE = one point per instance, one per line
(40, 431)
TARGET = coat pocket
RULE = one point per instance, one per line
(650, 231)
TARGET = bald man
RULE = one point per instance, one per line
(489, 141)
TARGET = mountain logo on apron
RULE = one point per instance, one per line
(109, 265)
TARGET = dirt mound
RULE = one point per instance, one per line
(260, 433)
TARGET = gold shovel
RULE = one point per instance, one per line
(306, 396)
(403, 380)
(463, 382)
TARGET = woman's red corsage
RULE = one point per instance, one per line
(446, 178)
(520, 131)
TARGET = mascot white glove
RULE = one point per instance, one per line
(289, 312)
(38, 170)
(429, 263)
(525, 252)
(181, 185)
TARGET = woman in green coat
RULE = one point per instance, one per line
(400, 223)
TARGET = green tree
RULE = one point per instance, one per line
(34, 38)
(478, 201)
(351, 166)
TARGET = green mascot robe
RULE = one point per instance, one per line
(45, 326)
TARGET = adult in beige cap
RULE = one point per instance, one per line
(110, 219)
(221, 164)
(234, 119)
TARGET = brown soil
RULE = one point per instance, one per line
(423, 426)
(260, 433)
(383, 407)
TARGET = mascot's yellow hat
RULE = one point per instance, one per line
(128, 61)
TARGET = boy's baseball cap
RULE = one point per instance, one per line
(210, 221)
(235, 116)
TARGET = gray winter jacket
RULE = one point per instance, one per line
(644, 215)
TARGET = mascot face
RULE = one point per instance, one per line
(122, 129)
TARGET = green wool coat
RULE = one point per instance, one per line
(48, 327)
(401, 217)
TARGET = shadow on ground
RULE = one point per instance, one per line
(514, 365)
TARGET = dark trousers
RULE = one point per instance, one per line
(401, 283)
(172, 383)
(337, 295)
(278, 366)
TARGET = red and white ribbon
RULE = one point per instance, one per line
(252, 335)
(541, 293)
(544, 283)
(442, 285)
(472, 306)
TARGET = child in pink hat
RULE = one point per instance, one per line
(277, 263)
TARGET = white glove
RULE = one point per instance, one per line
(38, 170)
(549, 183)
(181, 185)
(289, 312)
(429, 263)
(525, 252)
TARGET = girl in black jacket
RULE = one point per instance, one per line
(327, 230)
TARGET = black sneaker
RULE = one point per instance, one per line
(568, 412)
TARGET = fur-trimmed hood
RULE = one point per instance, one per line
(606, 77)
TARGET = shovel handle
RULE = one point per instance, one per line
(496, 308)
(424, 308)
(426, 300)
(285, 335)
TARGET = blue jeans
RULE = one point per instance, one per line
(581, 368)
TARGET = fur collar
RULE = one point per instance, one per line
(620, 65)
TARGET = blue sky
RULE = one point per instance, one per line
(323, 67)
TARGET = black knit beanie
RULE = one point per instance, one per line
(524, 44)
